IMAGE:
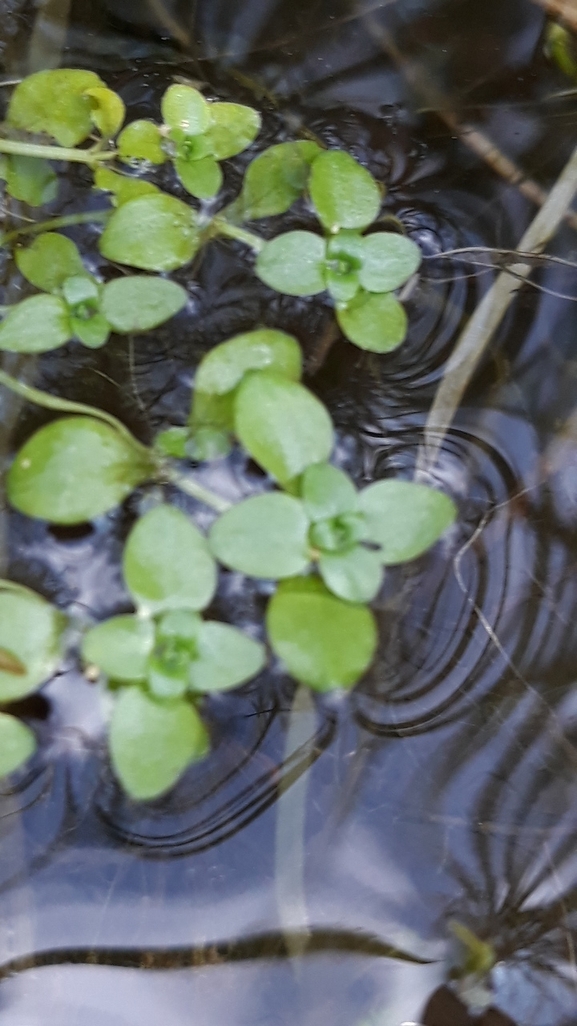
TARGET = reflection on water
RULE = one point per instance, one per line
(444, 788)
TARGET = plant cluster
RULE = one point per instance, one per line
(323, 543)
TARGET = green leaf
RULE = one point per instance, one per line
(276, 179)
(389, 260)
(107, 111)
(355, 575)
(373, 321)
(141, 140)
(344, 194)
(31, 630)
(122, 187)
(293, 263)
(327, 492)
(265, 536)
(17, 744)
(167, 563)
(154, 233)
(55, 102)
(343, 263)
(215, 412)
(232, 128)
(140, 302)
(224, 367)
(81, 290)
(49, 261)
(208, 443)
(36, 325)
(186, 109)
(405, 518)
(92, 331)
(30, 180)
(152, 742)
(323, 641)
(281, 425)
(172, 442)
(176, 645)
(201, 178)
(74, 469)
(226, 658)
(120, 647)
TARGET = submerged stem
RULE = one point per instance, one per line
(197, 491)
(223, 227)
(88, 217)
(91, 157)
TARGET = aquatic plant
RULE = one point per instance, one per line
(324, 543)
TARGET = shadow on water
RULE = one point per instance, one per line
(443, 788)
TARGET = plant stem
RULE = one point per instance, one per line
(197, 491)
(222, 227)
(23, 149)
(56, 222)
(53, 402)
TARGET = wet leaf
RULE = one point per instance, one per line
(405, 518)
(388, 261)
(49, 261)
(224, 367)
(232, 128)
(281, 424)
(17, 744)
(92, 332)
(201, 178)
(107, 111)
(36, 325)
(55, 102)
(141, 302)
(344, 194)
(276, 179)
(323, 641)
(122, 187)
(141, 140)
(167, 563)
(373, 321)
(327, 492)
(355, 575)
(31, 630)
(186, 109)
(154, 233)
(74, 469)
(226, 658)
(293, 263)
(152, 742)
(265, 536)
(30, 180)
(120, 647)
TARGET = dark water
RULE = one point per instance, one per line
(444, 788)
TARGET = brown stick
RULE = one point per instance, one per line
(566, 10)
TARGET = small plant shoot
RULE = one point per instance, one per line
(322, 543)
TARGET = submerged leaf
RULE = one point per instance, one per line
(155, 233)
(141, 302)
(31, 630)
(74, 469)
(17, 744)
(55, 102)
(30, 180)
(152, 742)
(323, 641)
(293, 263)
(167, 563)
(265, 536)
(120, 647)
(49, 261)
(405, 518)
(36, 325)
(344, 194)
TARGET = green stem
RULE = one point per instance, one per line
(53, 402)
(222, 227)
(197, 491)
(23, 149)
(56, 222)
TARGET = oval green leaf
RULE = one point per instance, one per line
(388, 260)
(152, 742)
(224, 367)
(36, 325)
(327, 492)
(74, 469)
(55, 102)
(265, 536)
(122, 187)
(344, 194)
(141, 140)
(30, 179)
(185, 109)
(232, 128)
(405, 518)
(374, 321)
(226, 658)
(293, 263)
(282, 425)
(201, 178)
(31, 630)
(167, 563)
(155, 233)
(17, 744)
(323, 641)
(141, 302)
(107, 111)
(120, 647)
(276, 179)
(355, 575)
(49, 261)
